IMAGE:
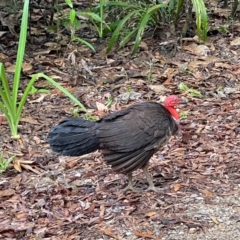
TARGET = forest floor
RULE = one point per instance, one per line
(47, 196)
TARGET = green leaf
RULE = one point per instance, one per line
(42, 90)
(143, 23)
(69, 3)
(5, 84)
(20, 53)
(84, 42)
(192, 92)
(119, 27)
(9, 104)
(94, 16)
(201, 18)
(183, 87)
(128, 37)
(111, 27)
(72, 15)
(140, 32)
(122, 5)
(35, 90)
(4, 164)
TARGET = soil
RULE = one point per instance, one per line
(47, 196)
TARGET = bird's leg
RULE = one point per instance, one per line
(149, 179)
(130, 184)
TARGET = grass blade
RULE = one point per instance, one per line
(20, 54)
(5, 84)
(84, 42)
(117, 30)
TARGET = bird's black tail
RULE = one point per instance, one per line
(73, 137)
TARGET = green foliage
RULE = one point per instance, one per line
(10, 105)
(201, 18)
(73, 24)
(5, 163)
(186, 70)
(130, 19)
(183, 115)
(35, 90)
(90, 117)
(191, 92)
(222, 29)
(13, 6)
(132, 15)
(96, 17)
(109, 101)
(128, 88)
(150, 71)
(75, 111)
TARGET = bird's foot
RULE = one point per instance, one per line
(153, 188)
(130, 188)
(130, 185)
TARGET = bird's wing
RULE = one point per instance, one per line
(142, 126)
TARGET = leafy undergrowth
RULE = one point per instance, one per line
(56, 197)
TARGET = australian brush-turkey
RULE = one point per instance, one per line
(126, 138)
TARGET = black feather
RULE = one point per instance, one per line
(73, 137)
(127, 138)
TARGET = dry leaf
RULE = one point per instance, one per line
(28, 167)
(26, 67)
(29, 120)
(208, 193)
(101, 107)
(158, 88)
(38, 100)
(17, 165)
(11, 68)
(150, 214)
(109, 232)
(176, 187)
(3, 119)
(146, 235)
(214, 220)
(235, 42)
(7, 192)
(21, 215)
(202, 50)
(102, 210)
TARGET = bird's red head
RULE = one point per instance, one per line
(170, 103)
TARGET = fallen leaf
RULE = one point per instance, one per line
(176, 187)
(158, 88)
(101, 107)
(29, 120)
(235, 42)
(26, 67)
(40, 99)
(17, 165)
(21, 215)
(214, 220)
(208, 193)
(146, 235)
(28, 167)
(109, 232)
(150, 214)
(201, 50)
(7, 192)
(102, 210)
